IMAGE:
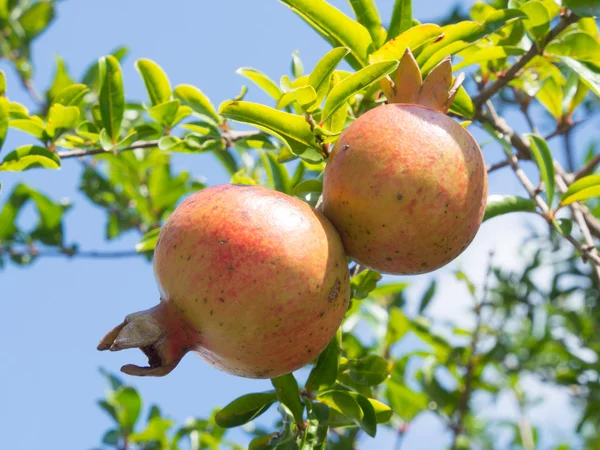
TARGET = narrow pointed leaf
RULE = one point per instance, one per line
(112, 96)
(3, 120)
(325, 371)
(582, 189)
(336, 27)
(589, 73)
(367, 15)
(487, 54)
(414, 39)
(148, 241)
(321, 75)
(71, 95)
(2, 83)
(401, 18)
(354, 83)
(288, 394)
(195, 98)
(30, 157)
(291, 129)
(498, 205)
(462, 31)
(543, 158)
(262, 81)
(156, 81)
(244, 409)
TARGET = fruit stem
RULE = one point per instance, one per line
(160, 333)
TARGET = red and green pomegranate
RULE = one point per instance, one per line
(406, 185)
(253, 280)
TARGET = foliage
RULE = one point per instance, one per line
(520, 54)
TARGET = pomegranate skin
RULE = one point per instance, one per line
(259, 275)
(406, 187)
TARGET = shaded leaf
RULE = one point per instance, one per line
(543, 158)
(498, 205)
(325, 371)
(244, 409)
(288, 394)
(401, 18)
(148, 241)
(112, 96)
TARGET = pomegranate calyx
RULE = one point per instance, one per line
(159, 332)
(435, 92)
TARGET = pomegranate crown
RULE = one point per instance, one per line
(437, 91)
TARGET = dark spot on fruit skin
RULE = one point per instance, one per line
(322, 313)
(389, 259)
(335, 290)
(211, 312)
(189, 257)
(205, 300)
(220, 324)
(222, 300)
(345, 147)
(229, 267)
(222, 242)
(309, 350)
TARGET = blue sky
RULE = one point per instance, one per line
(55, 312)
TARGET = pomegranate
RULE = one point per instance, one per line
(253, 280)
(406, 185)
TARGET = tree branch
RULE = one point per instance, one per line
(230, 137)
(587, 169)
(534, 51)
(70, 253)
(515, 140)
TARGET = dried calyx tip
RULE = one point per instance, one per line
(159, 333)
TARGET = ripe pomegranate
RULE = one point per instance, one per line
(253, 280)
(406, 185)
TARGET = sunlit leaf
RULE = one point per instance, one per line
(498, 205)
(414, 39)
(401, 18)
(582, 189)
(156, 81)
(112, 96)
(30, 157)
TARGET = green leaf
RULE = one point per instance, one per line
(550, 95)
(36, 18)
(2, 83)
(565, 225)
(543, 158)
(305, 96)
(589, 73)
(354, 83)
(428, 296)
(164, 113)
(582, 189)
(3, 120)
(156, 431)
(498, 205)
(325, 371)
(156, 81)
(383, 412)
(311, 185)
(33, 126)
(462, 104)
(291, 129)
(401, 18)
(368, 16)
(71, 95)
(128, 405)
(363, 283)
(288, 394)
(578, 45)
(88, 130)
(112, 96)
(244, 409)
(30, 157)
(405, 402)
(262, 81)
(371, 370)
(414, 39)
(61, 80)
(61, 116)
(499, 19)
(538, 19)
(398, 326)
(195, 98)
(585, 8)
(368, 423)
(344, 403)
(91, 77)
(321, 76)
(148, 241)
(487, 54)
(335, 27)
(297, 66)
